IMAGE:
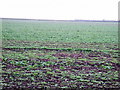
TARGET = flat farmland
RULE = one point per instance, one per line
(59, 54)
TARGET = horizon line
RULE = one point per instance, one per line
(62, 20)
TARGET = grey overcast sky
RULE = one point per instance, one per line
(60, 9)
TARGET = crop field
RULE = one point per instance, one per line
(59, 54)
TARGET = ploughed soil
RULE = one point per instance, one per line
(59, 69)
